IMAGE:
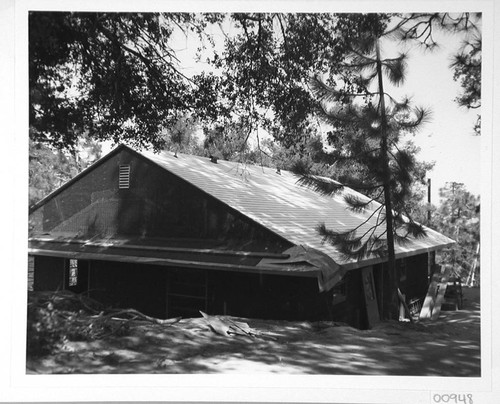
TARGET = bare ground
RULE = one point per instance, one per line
(449, 346)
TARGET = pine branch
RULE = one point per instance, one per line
(382, 242)
(334, 237)
(322, 91)
(405, 162)
(401, 106)
(351, 245)
(395, 69)
(348, 243)
(371, 230)
(416, 229)
(321, 185)
(401, 239)
(411, 228)
(422, 115)
(363, 45)
(327, 94)
(356, 204)
(379, 209)
(341, 114)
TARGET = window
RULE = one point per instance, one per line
(124, 176)
(73, 273)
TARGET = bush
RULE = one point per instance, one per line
(45, 327)
(57, 317)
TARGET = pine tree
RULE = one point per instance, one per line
(371, 123)
(458, 217)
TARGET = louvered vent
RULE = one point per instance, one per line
(124, 177)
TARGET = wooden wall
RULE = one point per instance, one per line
(158, 204)
(49, 273)
(169, 292)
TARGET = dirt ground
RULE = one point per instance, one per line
(449, 346)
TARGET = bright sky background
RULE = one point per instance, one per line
(448, 139)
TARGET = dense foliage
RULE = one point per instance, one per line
(49, 168)
(117, 75)
(467, 70)
(113, 75)
(458, 217)
(57, 317)
(266, 64)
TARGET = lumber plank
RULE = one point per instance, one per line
(435, 295)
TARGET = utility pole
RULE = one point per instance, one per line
(429, 201)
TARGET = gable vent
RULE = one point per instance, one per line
(124, 177)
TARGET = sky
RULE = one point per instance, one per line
(447, 139)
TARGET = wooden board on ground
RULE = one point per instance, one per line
(440, 296)
(435, 295)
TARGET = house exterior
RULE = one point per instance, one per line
(174, 234)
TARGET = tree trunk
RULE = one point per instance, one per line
(384, 151)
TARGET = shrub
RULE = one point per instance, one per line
(44, 329)
(57, 317)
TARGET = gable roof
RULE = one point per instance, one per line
(274, 200)
(279, 203)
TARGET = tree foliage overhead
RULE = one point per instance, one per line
(116, 75)
(266, 64)
(467, 71)
(113, 75)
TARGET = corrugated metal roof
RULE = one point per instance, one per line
(279, 203)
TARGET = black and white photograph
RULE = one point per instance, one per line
(251, 201)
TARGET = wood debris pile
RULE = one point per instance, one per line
(57, 317)
(228, 327)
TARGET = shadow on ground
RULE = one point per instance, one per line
(449, 346)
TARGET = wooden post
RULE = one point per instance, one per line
(429, 200)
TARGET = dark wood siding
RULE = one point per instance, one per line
(413, 279)
(124, 285)
(414, 282)
(352, 309)
(171, 292)
(156, 205)
(49, 273)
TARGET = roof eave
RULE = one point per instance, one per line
(404, 254)
(167, 262)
